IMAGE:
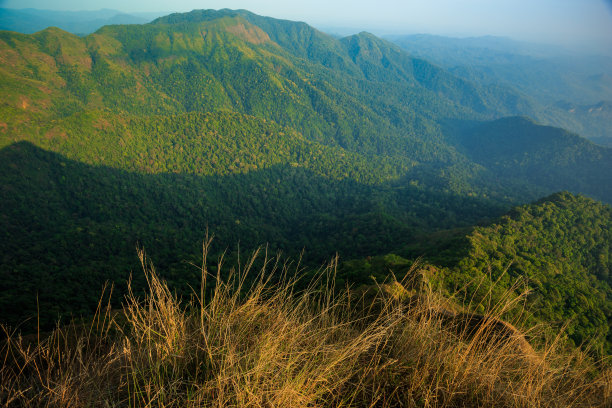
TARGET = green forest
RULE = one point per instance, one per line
(266, 132)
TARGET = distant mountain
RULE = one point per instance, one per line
(359, 93)
(291, 74)
(598, 116)
(29, 21)
(603, 141)
(549, 75)
(451, 51)
(546, 156)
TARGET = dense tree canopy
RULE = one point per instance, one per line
(266, 131)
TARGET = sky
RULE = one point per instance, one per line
(566, 22)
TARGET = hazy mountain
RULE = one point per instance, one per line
(553, 77)
(29, 21)
(598, 116)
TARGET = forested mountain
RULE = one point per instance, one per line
(360, 93)
(554, 252)
(166, 68)
(259, 130)
(560, 248)
(574, 90)
(596, 117)
(516, 147)
(80, 224)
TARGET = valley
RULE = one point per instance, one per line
(394, 155)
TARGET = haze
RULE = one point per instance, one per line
(566, 22)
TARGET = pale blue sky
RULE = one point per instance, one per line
(559, 21)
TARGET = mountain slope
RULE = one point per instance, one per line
(560, 82)
(260, 130)
(76, 226)
(542, 155)
(361, 93)
(553, 254)
(560, 248)
(192, 62)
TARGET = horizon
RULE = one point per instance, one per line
(569, 23)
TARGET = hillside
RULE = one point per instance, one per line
(66, 219)
(598, 116)
(556, 248)
(552, 254)
(237, 66)
(259, 130)
(569, 87)
(560, 248)
(359, 93)
(273, 344)
(541, 155)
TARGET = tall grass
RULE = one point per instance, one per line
(266, 344)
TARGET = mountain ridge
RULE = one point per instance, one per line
(261, 130)
(381, 101)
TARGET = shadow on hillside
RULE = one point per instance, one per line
(549, 159)
(68, 227)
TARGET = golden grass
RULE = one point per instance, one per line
(270, 345)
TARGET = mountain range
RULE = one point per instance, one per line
(258, 131)
(573, 88)
(31, 20)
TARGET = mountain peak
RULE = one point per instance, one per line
(200, 15)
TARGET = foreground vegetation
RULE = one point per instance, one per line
(265, 343)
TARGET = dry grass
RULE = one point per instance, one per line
(269, 345)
